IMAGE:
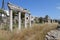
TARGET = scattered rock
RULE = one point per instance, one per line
(53, 34)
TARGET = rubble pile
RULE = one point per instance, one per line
(53, 34)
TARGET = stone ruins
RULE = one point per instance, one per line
(19, 9)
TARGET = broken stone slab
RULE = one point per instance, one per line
(53, 35)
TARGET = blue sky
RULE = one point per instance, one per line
(39, 7)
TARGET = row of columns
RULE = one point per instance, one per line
(51, 21)
(19, 20)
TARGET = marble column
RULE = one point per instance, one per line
(52, 21)
(19, 21)
(25, 21)
(30, 20)
(11, 19)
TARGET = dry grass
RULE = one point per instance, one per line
(37, 32)
(4, 35)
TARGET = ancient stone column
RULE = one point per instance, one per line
(52, 21)
(25, 21)
(30, 20)
(19, 21)
(49, 21)
(11, 19)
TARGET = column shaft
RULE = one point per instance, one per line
(30, 20)
(19, 21)
(11, 22)
(25, 21)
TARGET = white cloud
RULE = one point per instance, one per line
(58, 7)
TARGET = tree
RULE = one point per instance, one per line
(22, 15)
(46, 18)
(40, 20)
(3, 12)
(0, 15)
(15, 13)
